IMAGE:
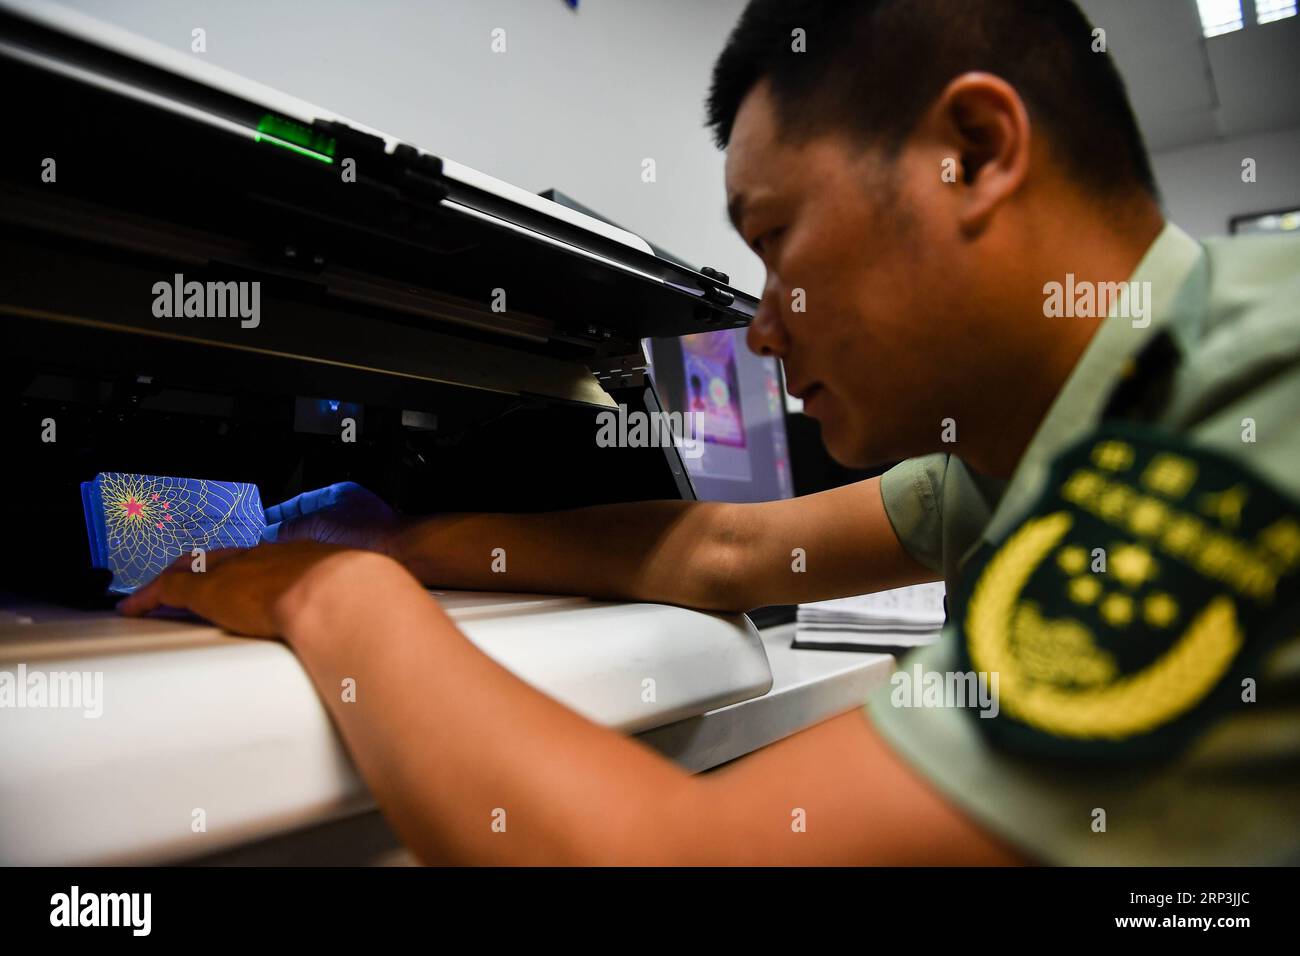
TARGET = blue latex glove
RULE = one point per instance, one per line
(344, 514)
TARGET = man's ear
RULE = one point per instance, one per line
(983, 121)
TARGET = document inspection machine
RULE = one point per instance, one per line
(205, 278)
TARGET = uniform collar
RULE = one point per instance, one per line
(1078, 406)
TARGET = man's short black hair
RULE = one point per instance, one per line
(872, 67)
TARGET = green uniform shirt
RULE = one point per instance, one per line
(1217, 369)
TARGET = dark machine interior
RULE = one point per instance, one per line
(147, 192)
(488, 453)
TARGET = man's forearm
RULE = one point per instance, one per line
(674, 552)
(709, 555)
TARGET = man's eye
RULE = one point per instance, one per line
(766, 239)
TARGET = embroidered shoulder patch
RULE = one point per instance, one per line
(1127, 609)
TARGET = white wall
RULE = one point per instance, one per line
(580, 99)
(1202, 185)
(577, 101)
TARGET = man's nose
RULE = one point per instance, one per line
(767, 333)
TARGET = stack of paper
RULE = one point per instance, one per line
(139, 524)
(904, 617)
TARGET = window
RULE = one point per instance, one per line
(1273, 223)
(1226, 16)
(1222, 16)
(1266, 11)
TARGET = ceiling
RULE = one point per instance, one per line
(1187, 89)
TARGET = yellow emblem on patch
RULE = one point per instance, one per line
(1117, 614)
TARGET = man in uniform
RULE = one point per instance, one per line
(1100, 421)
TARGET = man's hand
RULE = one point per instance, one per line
(343, 514)
(260, 591)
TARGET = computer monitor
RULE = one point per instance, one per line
(739, 395)
(744, 453)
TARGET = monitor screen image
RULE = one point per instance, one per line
(713, 387)
(738, 397)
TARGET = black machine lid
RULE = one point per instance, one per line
(175, 146)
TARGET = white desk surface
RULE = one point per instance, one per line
(194, 723)
(808, 686)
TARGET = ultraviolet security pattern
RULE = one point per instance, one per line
(139, 524)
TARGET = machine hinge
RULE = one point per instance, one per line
(624, 370)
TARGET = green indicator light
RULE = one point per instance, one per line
(285, 144)
(295, 137)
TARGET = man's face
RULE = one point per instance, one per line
(863, 299)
